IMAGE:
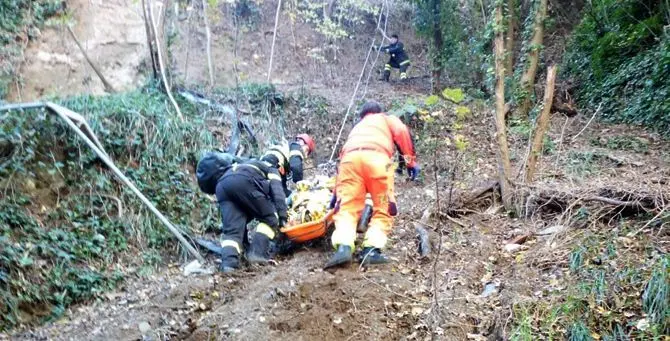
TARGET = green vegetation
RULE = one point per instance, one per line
(19, 23)
(69, 230)
(610, 292)
(620, 57)
(67, 225)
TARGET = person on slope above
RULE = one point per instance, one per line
(398, 60)
(248, 190)
(366, 167)
(289, 159)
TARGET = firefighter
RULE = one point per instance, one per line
(366, 167)
(302, 147)
(398, 59)
(289, 159)
(248, 190)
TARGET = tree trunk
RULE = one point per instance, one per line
(161, 66)
(208, 34)
(150, 40)
(504, 167)
(528, 79)
(542, 125)
(438, 43)
(512, 26)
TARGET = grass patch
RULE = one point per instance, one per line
(616, 288)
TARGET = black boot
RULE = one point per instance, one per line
(372, 255)
(341, 257)
(386, 76)
(230, 260)
(259, 252)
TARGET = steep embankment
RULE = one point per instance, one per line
(112, 33)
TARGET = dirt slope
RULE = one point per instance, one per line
(112, 32)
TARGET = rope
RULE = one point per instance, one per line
(386, 18)
(274, 38)
(353, 96)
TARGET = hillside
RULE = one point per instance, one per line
(583, 254)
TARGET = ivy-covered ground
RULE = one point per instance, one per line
(69, 231)
(20, 21)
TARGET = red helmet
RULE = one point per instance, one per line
(308, 141)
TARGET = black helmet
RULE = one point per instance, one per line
(210, 168)
(370, 107)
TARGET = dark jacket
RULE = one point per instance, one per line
(267, 179)
(295, 161)
(397, 52)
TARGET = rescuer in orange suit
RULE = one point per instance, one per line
(366, 167)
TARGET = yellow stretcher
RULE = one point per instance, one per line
(309, 216)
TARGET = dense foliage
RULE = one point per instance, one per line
(19, 20)
(66, 223)
(620, 57)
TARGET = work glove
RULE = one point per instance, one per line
(282, 219)
(413, 172)
(393, 209)
(333, 202)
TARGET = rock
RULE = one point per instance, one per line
(552, 230)
(195, 267)
(416, 311)
(519, 239)
(490, 288)
(144, 327)
(512, 248)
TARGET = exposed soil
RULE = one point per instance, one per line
(111, 31)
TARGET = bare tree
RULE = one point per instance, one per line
(512, 26)
(542, 125)
(208, 33)
(154, 31)
(528, 78)
(504, 166)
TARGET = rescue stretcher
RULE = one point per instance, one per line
(309, 215)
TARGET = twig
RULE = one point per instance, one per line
(587, 123)
(649, 222)
(560, 141)
(160, 63)
(108, 86)
(274, 37)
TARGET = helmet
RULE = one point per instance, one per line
(370, 107)
(311, 145)
(210, 168)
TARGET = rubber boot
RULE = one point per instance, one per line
(372, 255)
(230, 262)
(259, 252)
(341, 257)
(386, 76)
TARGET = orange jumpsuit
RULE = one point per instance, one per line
(366, 167)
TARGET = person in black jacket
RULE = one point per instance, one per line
(248, 190)
(289, 160)
(398, 60)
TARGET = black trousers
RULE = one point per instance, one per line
(242, 198)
